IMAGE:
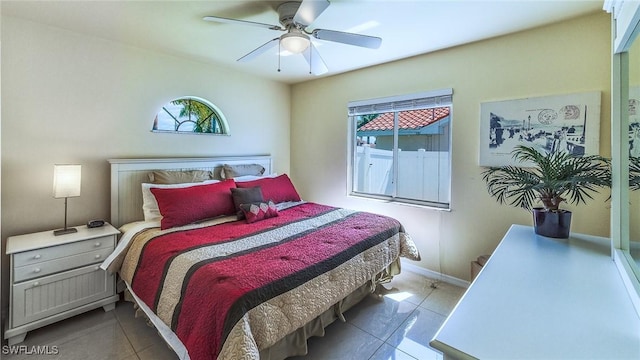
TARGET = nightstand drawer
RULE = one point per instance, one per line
(61, 251)
(65, 263)
(50, 295)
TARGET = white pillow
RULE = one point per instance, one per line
(253, 177)
(149, 203)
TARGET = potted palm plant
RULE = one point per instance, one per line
(552, 178)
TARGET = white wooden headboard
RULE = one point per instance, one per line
(127, 175)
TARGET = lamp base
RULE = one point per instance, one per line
(65, 231)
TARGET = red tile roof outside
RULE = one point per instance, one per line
(414, 119)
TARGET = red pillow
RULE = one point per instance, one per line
(278, 189)
(181, 206)
(259, 211)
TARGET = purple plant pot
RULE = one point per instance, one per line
(552, 224)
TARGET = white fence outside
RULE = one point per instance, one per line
(422, 175)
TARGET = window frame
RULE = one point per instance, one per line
(221, 119)
(396, 104)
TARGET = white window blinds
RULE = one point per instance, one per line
(416, 101)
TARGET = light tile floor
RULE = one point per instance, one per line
(397, 326)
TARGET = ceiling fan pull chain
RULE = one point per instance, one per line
(310, 59)
(279, 51)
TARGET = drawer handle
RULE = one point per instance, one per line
(98, 256)
(37, 283)
(37, 270)
(36, 256)
(98, 244)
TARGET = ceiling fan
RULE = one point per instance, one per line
(295, 17)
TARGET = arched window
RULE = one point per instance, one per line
(191, 115)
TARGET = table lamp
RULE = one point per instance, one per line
(66, 184)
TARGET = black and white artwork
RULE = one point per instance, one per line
(634, 121)
(569, 123)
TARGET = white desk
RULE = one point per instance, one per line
(543, 298)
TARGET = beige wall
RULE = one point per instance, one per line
(564, 58)
(72, 98)
(69, 98)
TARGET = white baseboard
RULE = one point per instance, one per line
(433, 274)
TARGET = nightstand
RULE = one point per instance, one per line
(57, 277)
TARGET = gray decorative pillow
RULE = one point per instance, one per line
(232, 171)
(178, 177)
(245, 196)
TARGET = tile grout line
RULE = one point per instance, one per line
(376, 350)
(398, 328)
(126, 335)
(392, 332)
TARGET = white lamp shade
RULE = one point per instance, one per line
(295, 42)
(66, 180)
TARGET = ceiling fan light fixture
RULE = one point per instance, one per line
(295, 42)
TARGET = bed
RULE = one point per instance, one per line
(230, 263)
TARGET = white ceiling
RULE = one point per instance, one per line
(408, 28)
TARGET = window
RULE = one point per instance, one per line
(400, 148)
(190, 115)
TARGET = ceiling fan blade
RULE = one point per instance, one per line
(367, 41)
(260, 50)
(241, 22)
(309, 11)
(316, 64)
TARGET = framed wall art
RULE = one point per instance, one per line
(634, 121)
(569, 123)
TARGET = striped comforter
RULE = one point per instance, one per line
(230, 290)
